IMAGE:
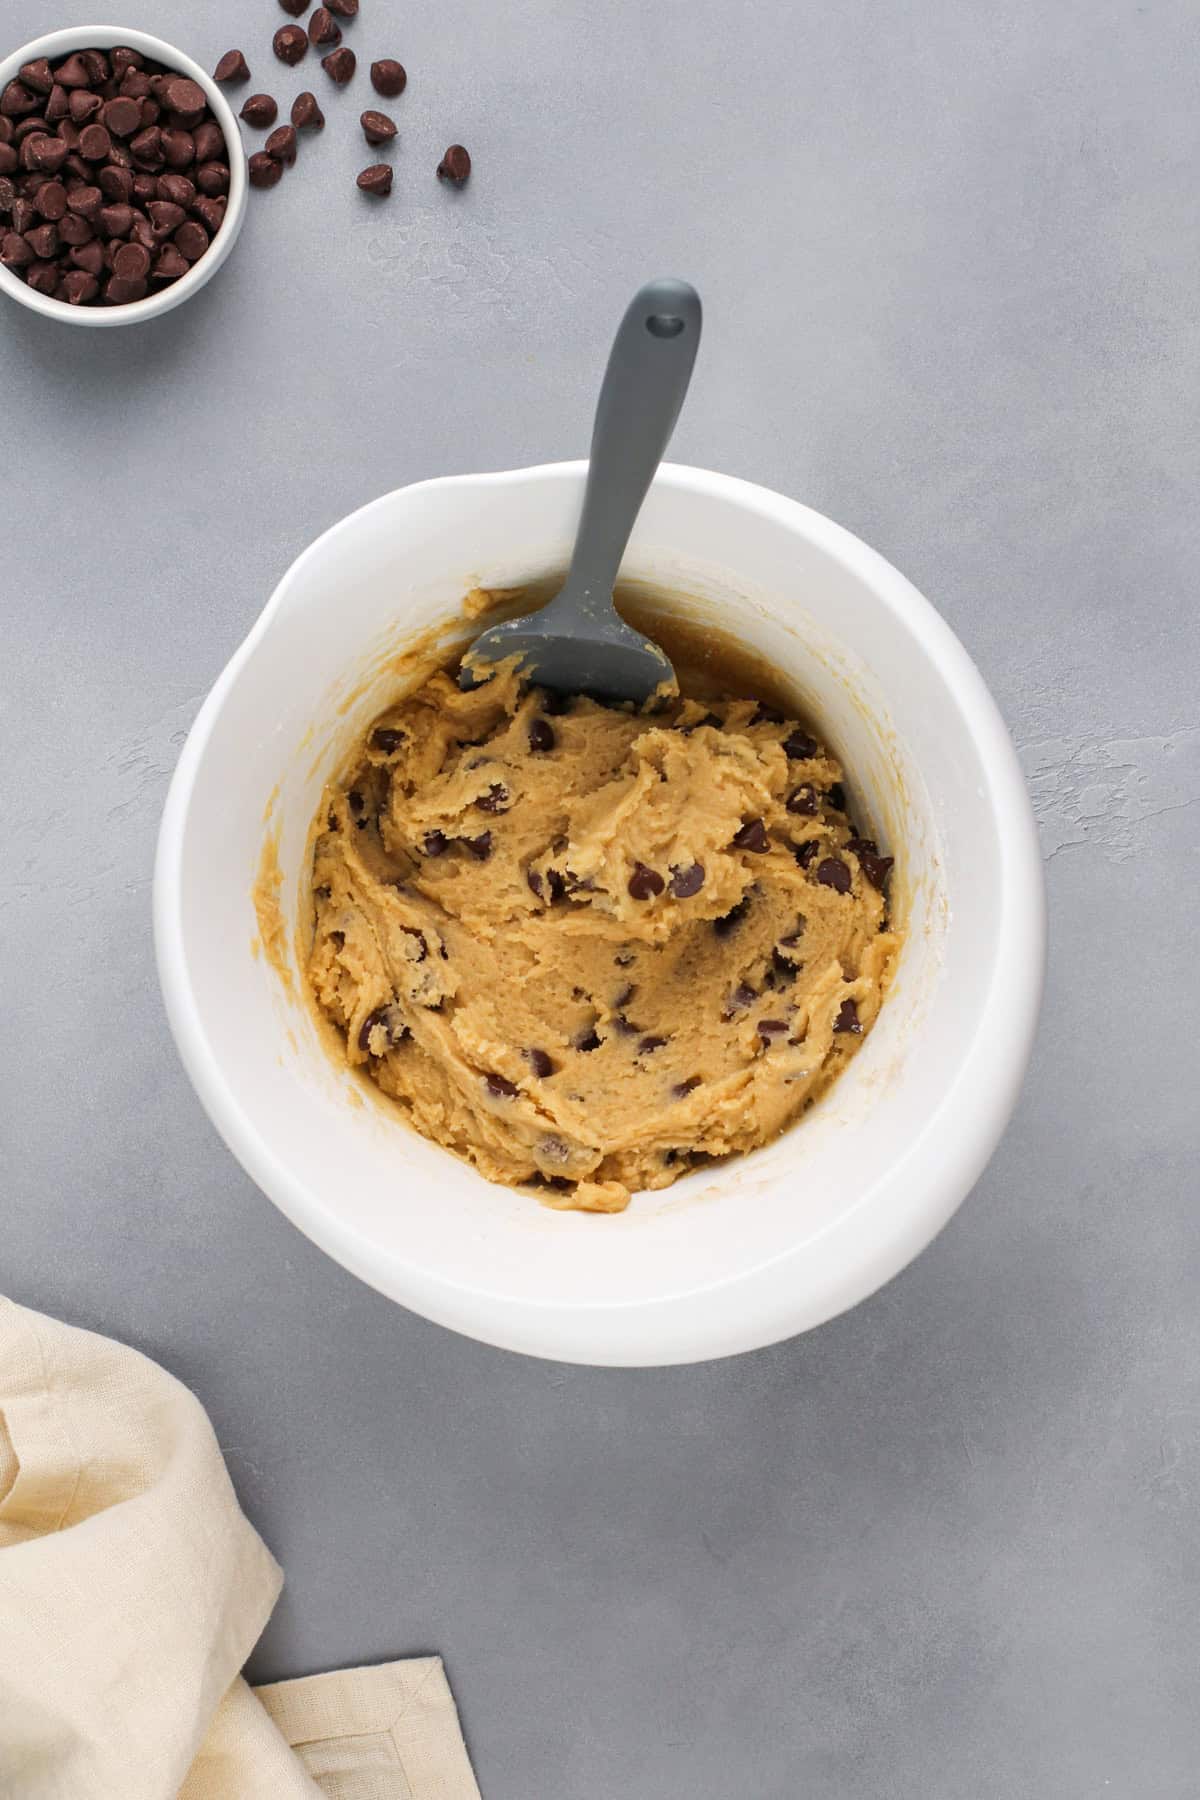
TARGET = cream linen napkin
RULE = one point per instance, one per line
(132, 1590)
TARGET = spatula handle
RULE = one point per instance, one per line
(647, 377)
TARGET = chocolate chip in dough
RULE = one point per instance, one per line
(435, 843)
(799, 747)
(541, 1063)
(479, 847)
(770, 1028)
(730, 920)
(804, 800)
(876, 868)
(836, 796)
(376, 180)
(682, 1088)
(496, 799)
(832, 872)
(232, 67)
(501, 1087)
(751, 836)
(541, 732)
(686, 880)
(805, 852)
(645, 882)
(650, 1044)
(589, 1041)
(388, 77)
(848, 1019)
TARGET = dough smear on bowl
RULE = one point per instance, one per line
(588, 948)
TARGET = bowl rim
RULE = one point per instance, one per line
(106, 37)
(933, 1174)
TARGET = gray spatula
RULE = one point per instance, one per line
(577, 643)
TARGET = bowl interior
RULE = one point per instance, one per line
(55, 44)
(833, 1207)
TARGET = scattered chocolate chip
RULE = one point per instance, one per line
(876, 868)
(686, 880)
(848, 1019)
(260, 110)
(388, 77)
(805, 852)
(769, 1028)
(345, 9)
(732, 918)
(232, 67)
(832, 872)
(683, 1088)
(290, 44)
(541, 1064)
(376, 180)
(804, 800)
(649, 1044)
(799, 747)
(589, 1041)
(836, 796)
(377, 127)
(263, 170)
(323, 28)
(496, 799)
(455, 166)
(751, 836)
(645, 882)
(479, 847)
(340, 64)
(306, 114)
(282, 144)
(295, 7)
(501, 1087)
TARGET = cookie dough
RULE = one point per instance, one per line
(589, 949)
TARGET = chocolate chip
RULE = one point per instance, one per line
(95, 145)
(58, 105)
(649, 1044)
(171, 264)
(501, 1087)
(683, 1088)
(131, 262)
(876, 868)
(323, 28)
(804, 800)
(290, 44)
(232, 67)
(836, 796)
(146, 148)
(51, 199)
(117, 220)
(645, 882)
(191, 240)
(345, 9)
(79, 287)
(260, 110)
(73, 230)
(88, 257)
(377, 127)
(97, 65)
(37, 75)
(832, 872)
(14, 251)
(209, 141)
(306, 114)
(212, 178)
(388, 77)
(43, 240)
(686, 880)
(751, 836)
(455, 166)
(769, 1028)
(541, 1064)
(294, 7)
(805, 852)
(165, 216)
(123, 291)
(741, 997)
(376, 180)
(479, 847)
(556, 884)
(263, 170)
(799, 747)
(16, 100)
(732, 918)
(435, 843)
(784, 967)
(847, 1019)
(496, 800)
(589, 1041)
(135, 84)
(541, 735)
(210, 210)
(46, 154)
(83, 106)
(42, 277)
(116, 183)
(177, 189)
(373, 1020)
(340, 64)
(178, 148)
(387, 739)
(282, 144)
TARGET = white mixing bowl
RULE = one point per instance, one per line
(736, 1255)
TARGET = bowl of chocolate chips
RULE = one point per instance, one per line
(122, 179)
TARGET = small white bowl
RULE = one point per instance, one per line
(103, 37)
(733, 1256)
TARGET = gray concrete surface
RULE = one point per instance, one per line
(944, 1548)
